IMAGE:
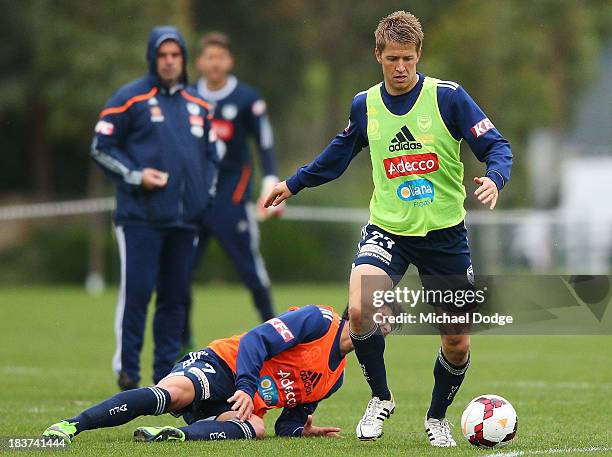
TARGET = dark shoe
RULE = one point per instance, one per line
(125, 382)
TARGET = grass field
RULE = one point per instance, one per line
(57, 344)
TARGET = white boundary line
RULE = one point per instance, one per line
(52, 209)
(550, 451)
(293, 212)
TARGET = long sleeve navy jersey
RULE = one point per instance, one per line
(239, 113)
(460, 113)
(264, 342)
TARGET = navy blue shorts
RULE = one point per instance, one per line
(442, 257)
(214, 383)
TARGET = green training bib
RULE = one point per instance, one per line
(417, 174)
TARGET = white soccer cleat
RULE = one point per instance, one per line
(370, 427)
(439, 432)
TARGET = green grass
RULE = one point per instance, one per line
(57, 344)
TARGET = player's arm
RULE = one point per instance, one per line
(295, 422)
(259, 126)
(466, 120)
(107, 149)
(330, 163)
(267, 340)
(291, 421)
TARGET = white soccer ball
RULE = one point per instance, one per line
(489, 421)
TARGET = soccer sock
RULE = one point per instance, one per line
(370, 349)
(207, 430)
(122, 408)
(447, 380)
(263, 303)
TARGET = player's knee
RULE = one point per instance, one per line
(181, 390)
(177, 397)
(367, 283)
(258, 426)
(355, 313)
(141, 288)
(456, 348)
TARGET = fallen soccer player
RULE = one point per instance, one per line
(222, 391)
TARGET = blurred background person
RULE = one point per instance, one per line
(153, 141)
(238, 114)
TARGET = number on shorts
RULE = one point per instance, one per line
(377, 235)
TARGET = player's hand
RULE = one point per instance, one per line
(243, 404)
(313, 430)
(153, 179)
(279, 194)
(486, 192)
(263, 212)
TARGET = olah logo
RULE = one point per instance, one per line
(424, 122)
(404, 141)
(416, 189)
(268, 391)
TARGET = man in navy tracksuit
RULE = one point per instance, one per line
(154, 141)
(239, 113)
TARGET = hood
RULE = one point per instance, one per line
(157, 36)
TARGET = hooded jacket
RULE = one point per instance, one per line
(147, 125)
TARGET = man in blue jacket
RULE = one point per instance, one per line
(153, 139)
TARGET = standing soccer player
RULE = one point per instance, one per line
(239, 113)
(413, 125)
(154, 140)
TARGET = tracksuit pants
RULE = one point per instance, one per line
(152, 259)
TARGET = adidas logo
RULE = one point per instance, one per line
(404, 141)
(310, 379)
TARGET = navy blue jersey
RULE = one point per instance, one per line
(274, 337)
(263, 342)
(460, 113)
(239, 113)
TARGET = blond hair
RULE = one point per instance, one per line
(400, 27)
